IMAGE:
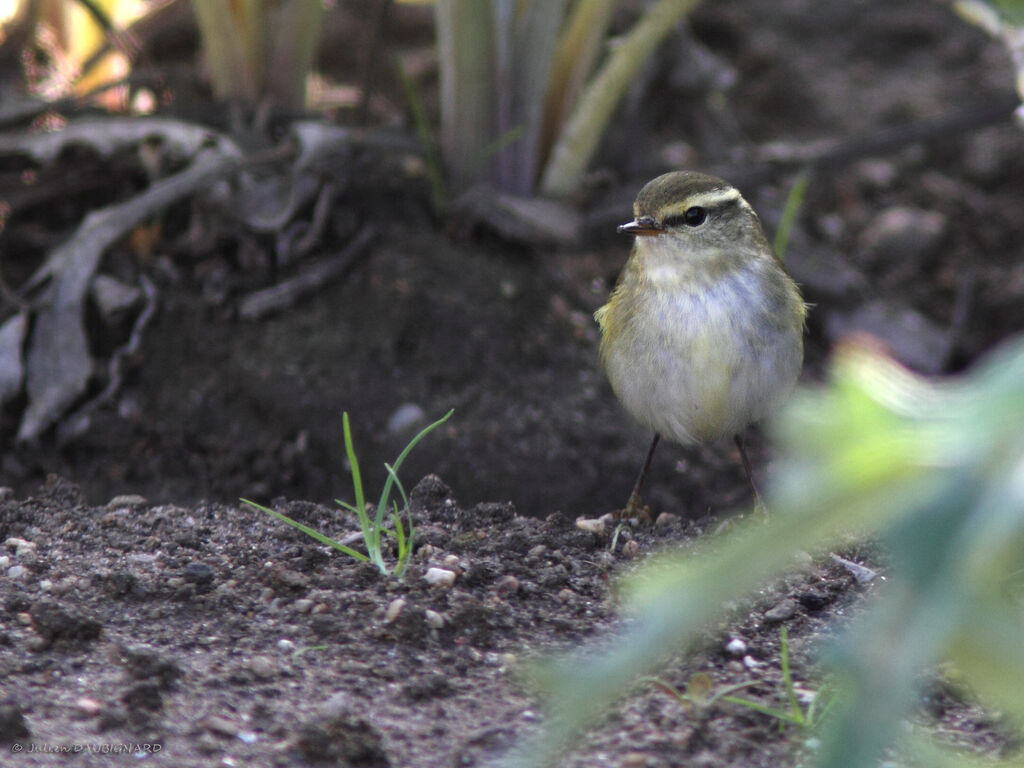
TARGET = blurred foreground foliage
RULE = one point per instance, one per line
(934, 472)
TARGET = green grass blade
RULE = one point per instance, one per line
(314, 534)
(779, 714)
(393, 472)
(787, 677)
(794, 200)
(372, 542)
(431, 154)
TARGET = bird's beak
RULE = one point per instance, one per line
(644, 225)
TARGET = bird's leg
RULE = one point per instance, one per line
(634, 507)
(758, 501)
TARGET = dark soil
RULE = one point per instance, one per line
(184, 619)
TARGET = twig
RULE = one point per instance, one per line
(268, 300)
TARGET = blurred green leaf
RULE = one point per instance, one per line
(935, 472)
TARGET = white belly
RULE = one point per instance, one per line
(704, 365)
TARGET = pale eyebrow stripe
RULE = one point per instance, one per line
(710, 199)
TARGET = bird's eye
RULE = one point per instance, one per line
(694, 216)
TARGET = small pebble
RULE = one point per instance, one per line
(591, 525)
(439, 577)
(405, 417)
(736, 647)
(4, 561)
(751, 663)
(904, 234)
(631, 548)
(198, 573)
(127, 500)
(434, 619)
(784, 610)
(665, 519)
(303, 605)
(285, 645)
(507, 586)
(19, 544)
(17, 572)
(87, 707)
(220, 725)
(263, 667)
(393, 610)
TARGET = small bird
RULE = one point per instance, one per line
(703, 333)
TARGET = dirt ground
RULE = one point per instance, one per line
(143, 604)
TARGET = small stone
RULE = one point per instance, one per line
(566, 595)
(87, 707)
(434, 619)
(127, 500)
(904, 234)
(452, 562)
(591, 525)
(285, 645)
(4, 561)
(303, 605)
(394, 610)
(666, 519)
(751, 663)
(16, 572)
(439, 577)
(198, 573)
(635, 760)
(736, 647)
(220, 725)
(631, 548)
(507, 586)
(786, 609)
(263, 667)
(405, 418)
(19, 544)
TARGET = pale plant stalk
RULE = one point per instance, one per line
(259, 49)
(579, 139)
(577, 52)
(465, 36)
(528, 34)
